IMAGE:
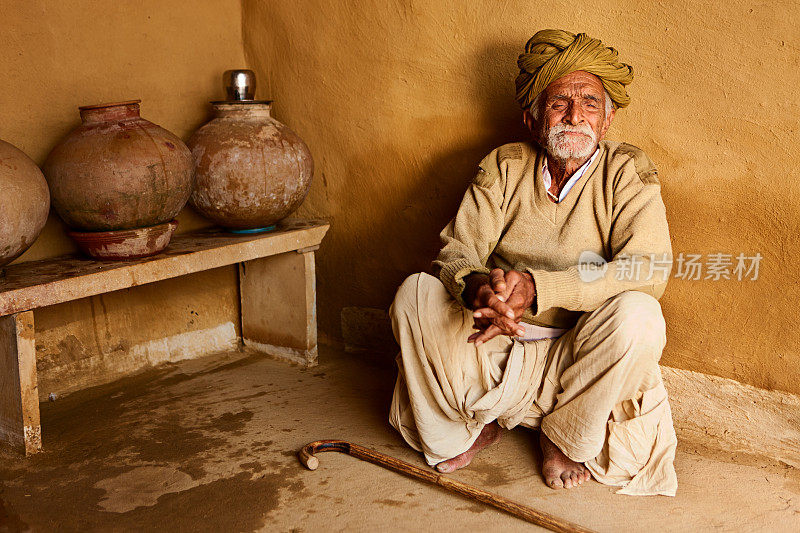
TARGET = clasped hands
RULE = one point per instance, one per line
(498, 301)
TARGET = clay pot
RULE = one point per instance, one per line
(117, 171)
(250, 170)
(24, 202)
(126, 243)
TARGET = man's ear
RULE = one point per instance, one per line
(529, 121)
(607, 122)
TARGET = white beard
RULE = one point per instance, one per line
(563, 147)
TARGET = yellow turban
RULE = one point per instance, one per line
(551, 54)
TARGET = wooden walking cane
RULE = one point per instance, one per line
(539, 518)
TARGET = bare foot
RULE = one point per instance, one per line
(560, 471)
(489, 435)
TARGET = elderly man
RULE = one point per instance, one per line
(545, 310)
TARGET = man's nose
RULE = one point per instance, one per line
(574, 114)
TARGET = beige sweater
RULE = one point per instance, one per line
(506, 220)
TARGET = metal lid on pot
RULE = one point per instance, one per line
(240, 87)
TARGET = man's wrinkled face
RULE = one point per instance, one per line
(572, 117)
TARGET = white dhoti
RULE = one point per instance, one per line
(595, 391)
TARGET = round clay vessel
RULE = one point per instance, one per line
(250, 170)
(126, 243)
(117, 171)
(24, 202)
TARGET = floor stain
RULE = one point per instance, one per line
(389, 502)
(476, 508)
(232, 422)
(141, 487)
(237, 503)
(253, 466)
(492, 475)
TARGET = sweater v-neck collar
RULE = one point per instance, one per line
(547, 178)
(555, 212)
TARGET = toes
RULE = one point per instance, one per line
(556, 483)
(451, 465)
(570, 479)
(444, 467)
(573, 479)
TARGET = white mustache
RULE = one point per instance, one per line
(559, 130)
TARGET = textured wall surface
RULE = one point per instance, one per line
(57, 56)
(399, 100)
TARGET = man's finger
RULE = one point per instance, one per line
(507, 326)
(488, 334)
(495, 303)
(517, 300)
(481, 330)
(497, 280)
(511, 281)
(485, 312)
(501, 326)
(517, 303)
(480, 337)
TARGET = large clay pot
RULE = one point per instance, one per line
(24, 202)
(117, 172)
(250, 170)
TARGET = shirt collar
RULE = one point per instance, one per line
(547, 179)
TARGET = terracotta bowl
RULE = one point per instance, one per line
(126, 243)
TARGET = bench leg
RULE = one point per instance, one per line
(279, 306)
(19, 398)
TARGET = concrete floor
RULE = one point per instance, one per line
(209, 445)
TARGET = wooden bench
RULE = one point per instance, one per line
(276, 282)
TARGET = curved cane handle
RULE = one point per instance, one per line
(306, 454)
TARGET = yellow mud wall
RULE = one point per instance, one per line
(58, 55)
(400, 100)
